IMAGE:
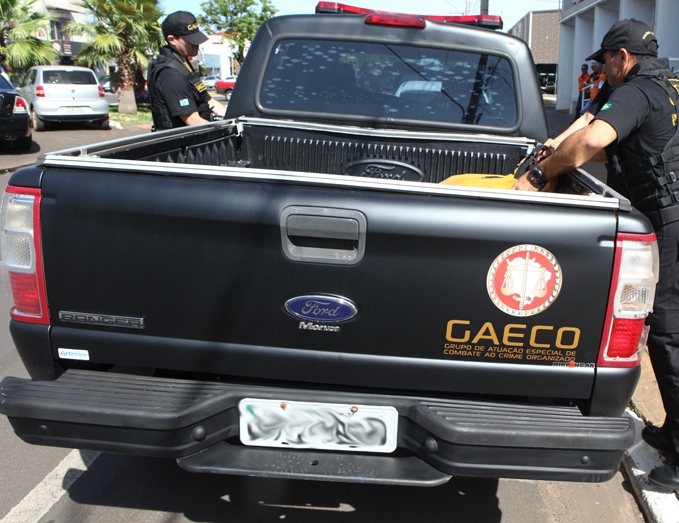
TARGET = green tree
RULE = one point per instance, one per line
(237, 19)
(126, 31)
(19, 24)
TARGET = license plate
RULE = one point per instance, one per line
(324, 426)
(75, 109)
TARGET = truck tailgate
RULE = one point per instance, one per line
(337, 286)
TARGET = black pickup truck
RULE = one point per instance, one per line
(291, 292)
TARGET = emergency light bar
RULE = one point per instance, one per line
(412, 20)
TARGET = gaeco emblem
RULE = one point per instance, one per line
(322, 308)
(524, 280)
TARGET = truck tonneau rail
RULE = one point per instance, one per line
(182, 417)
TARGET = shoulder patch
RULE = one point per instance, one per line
(184, 102)
(606, 107)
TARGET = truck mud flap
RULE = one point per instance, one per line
(199, 421)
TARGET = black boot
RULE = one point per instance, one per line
(656, 438)
(666, 476)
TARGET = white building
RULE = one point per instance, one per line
(217, 56)
(66, 11)
(585, 22)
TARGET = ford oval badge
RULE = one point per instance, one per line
(323, 308)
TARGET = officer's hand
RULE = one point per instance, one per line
(550, 146)
(522, 184)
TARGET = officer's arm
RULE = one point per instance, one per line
(217, 107)
(192, 119)
(578, 148)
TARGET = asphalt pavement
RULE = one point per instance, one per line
(64, 136)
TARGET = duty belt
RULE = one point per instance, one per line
(664, 216)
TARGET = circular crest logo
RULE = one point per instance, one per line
(524, 280)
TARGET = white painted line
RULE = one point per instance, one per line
(343, 507)
(50, 490)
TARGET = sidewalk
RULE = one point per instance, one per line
(658, 505)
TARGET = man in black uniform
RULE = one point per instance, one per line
(635, 131)
(178, 95)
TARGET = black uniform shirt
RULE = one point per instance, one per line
(180, 96)
(640, 112)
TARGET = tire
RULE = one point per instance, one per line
(103, 124)
(38, 124)
(24, 143)
(227, 94)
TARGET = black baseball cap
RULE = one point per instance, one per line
(631, 34)
(184, 24)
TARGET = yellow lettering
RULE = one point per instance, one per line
(534, 334)
(451, 326)
(508, 334)
(481, 335)
(559, 337)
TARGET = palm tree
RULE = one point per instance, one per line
(19, 24)
(126, 31)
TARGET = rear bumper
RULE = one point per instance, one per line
(197, 422)
(58, 110)
(15, 127)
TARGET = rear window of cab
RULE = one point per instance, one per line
(373, 80)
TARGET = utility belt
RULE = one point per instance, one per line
(664, 216)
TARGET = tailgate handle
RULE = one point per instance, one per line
(323, 235)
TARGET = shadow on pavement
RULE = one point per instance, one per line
(148, 484)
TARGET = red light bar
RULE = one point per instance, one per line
(485, 21)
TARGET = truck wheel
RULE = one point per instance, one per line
(227, 94)
(38, 124)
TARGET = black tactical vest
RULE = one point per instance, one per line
(161, 115)
(651, 181)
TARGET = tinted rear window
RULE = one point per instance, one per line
(68, 77)
(4, 84)
(392, 81)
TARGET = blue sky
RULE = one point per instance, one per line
(510, 10)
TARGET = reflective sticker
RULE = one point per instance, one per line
(184, 102)
(524, 280)
(74, 354)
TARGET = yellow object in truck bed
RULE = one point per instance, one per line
(493, 181)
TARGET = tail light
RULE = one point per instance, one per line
(20, 105)
(635, 273)
(22, 254)
(102, 94)
(39, 91)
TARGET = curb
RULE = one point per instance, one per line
(657, 504)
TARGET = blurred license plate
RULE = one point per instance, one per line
(326, 426)
(75, 109)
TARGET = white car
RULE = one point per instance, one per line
(64, 93)
(210, 81)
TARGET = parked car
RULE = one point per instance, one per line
(15, 124)
(105, 82)
(60, 93)
(210, 81)
(225, 86)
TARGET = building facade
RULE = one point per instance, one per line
(66, 12)
(217, 56)
(541, 31)
(584, 24)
